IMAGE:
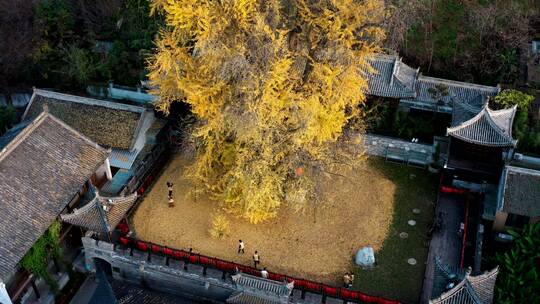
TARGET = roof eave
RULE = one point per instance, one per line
(508, 144)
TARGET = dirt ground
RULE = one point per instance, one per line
(318, 244)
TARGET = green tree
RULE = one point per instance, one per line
(509, 98)
(79, 65)
(8, 116)
(519, 276)
(46, 247)
(524, 129)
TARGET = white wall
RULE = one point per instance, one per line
(104, 169)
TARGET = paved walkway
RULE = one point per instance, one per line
(377, 144)
(445, 244)
(398, 150)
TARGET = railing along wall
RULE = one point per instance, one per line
(146, 170)
(228, 267)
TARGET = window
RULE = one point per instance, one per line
(516, 221)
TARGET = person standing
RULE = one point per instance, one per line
(186, 259)
(241, 246)
(346, 280)
(256, 259)
(264, 273)
(170, 188)
(171, 202)
(351, 276)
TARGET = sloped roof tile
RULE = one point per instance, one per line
(41, 170)
(487, 128)
(93, 215)
(470, 289)
(394, 79)
(521, 194)
(110, 124)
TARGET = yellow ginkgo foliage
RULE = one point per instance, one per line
(273, 84)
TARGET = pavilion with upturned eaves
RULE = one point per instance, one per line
(481, 141)
(101, 214)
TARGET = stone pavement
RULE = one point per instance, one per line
(376, 145)
(446, 243)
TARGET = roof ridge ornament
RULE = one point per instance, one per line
(101, 214)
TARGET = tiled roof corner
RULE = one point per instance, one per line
(101, 214)
(249, 282)
(485, 130)
(395, 79)
(470, 290)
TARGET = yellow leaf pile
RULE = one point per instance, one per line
(220, 227)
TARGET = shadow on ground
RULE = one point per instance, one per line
(393, 277)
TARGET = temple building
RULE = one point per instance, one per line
(45, 168)
(394, 79)
(481, 142)
(130, 131)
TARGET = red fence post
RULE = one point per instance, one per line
(226, 266)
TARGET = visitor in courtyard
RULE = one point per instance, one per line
(351, 276)
(347, 280)
(186, 258)
(171, 202)
(170, 188)
(241, 246)
(256, 259)
(264, 273)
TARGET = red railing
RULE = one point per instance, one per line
(231, 267)
(453, 190)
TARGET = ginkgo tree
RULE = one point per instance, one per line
(273, 85)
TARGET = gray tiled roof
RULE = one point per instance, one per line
(12, 133)
(93, 215)
(470, 290)
(395, 79)
(484, 285)
(461, 112)
(127, 293)
(246, 298)
(382, 82)
(249, 282)
(258, 290)
(521, 191)
(110, 124)
(487, 128)
(41, 170)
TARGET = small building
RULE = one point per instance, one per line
(45, 167)
(460, 287)
(393, 78)
(480, 142)
(518, 199)
(101, 214)
(128, 130)
(114, 125)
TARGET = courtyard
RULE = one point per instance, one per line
(368, 206)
